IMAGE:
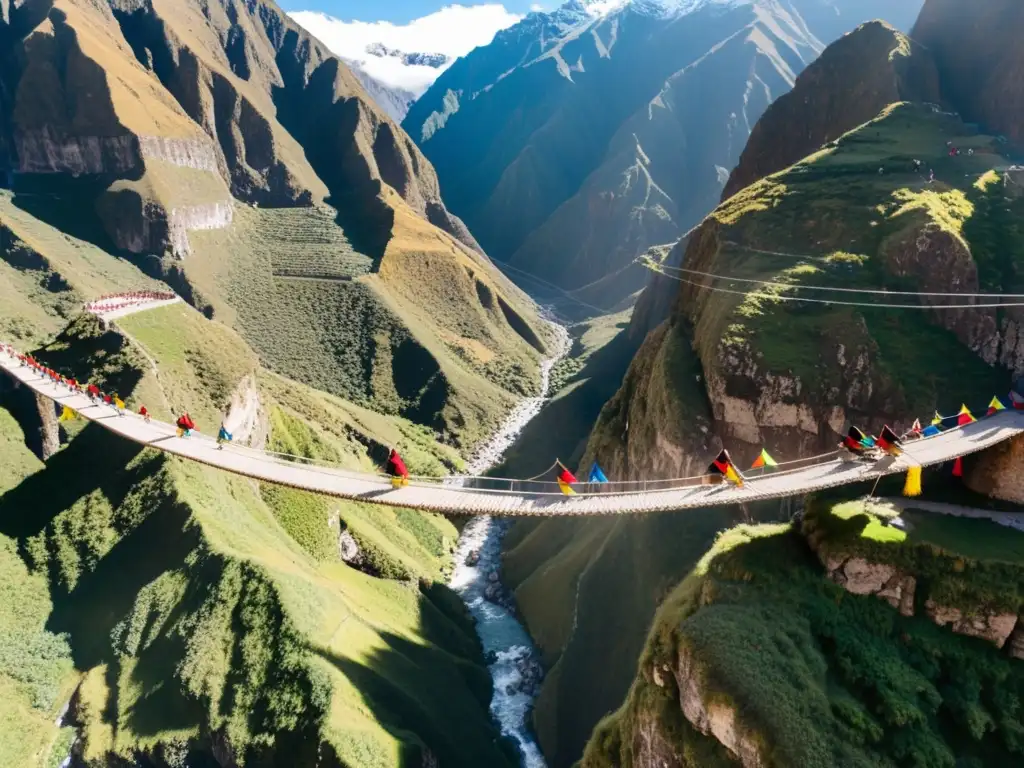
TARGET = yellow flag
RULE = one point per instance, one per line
(912, 488)
(67, 414)
(936, 420)
(733, 477)
(565, 488)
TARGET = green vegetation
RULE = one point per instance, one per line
(46, 274)
(242, 624)
(837, 221)
(948, 556)
(814, 676)
(414, 339)
(581, 383)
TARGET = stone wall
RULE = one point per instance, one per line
(998, 472)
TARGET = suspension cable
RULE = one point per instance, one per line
(868, 305)
(871, 291)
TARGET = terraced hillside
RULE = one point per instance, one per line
(243, 632)
(308, 243)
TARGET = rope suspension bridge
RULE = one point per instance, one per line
(510, 497)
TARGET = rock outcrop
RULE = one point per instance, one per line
(860, 577)
(848, 85)
(998, 472)
(714, 718)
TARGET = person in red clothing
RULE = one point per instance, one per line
(144, 414)
(185, 425)
(396, 468)
(93, 391)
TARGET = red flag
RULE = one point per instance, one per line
(958, 468)
(567, 477)
(889, 443)
(916, 428)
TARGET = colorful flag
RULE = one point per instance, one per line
(931, 431)
(965, 416)
(916, 427)
(723, 466)
(565, 481)
(67, 414)
(855, 441)
(912, 487)
(889, 443)
(958, 467)
(597, 474)
(936, 419)
(995, 406)
(764, 460)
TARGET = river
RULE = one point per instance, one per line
(512, 659)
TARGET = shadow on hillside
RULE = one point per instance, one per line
(67, 204)
(433, 697)
(74, 473)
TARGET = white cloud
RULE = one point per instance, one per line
(537, 8)
(454, 31)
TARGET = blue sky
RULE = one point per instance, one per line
(396, 11)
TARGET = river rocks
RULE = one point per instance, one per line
(994, 627)
(473, 558)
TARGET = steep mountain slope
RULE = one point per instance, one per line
(974, 52)
(788, 376)
(756, 659)
(144, 126)
(202, 618)
(595, 137)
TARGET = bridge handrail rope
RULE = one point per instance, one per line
(479, 484)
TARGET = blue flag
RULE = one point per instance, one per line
(596, 474)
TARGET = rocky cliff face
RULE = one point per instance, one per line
(152, 125)
(835, 94)
(597, 136)
(735, 667)
(764, 371)
(978, 60)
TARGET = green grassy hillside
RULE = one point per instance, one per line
(202, 610)
(814, 676)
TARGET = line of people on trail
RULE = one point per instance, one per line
(185, 424)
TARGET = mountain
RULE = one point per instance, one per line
(595, 133)
(394, 102)
(787, 375)
(158, 612)
(432, 60)
(735, 367)
(165, 132)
